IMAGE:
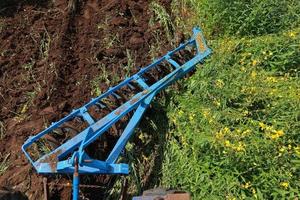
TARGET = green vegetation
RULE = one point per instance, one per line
(241, 18)
(161, 16)
(234, 129)
(130, 63)
(2, 130)
(4, 163)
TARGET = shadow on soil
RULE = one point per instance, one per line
(8, 8)
(147, 154)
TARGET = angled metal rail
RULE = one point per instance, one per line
(71, 157)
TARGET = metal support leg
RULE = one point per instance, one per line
(45, 185)
(76, 181)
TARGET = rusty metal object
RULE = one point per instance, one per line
(162, 194)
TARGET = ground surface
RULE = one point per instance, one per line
(50, 53)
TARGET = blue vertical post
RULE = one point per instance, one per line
(75, 181)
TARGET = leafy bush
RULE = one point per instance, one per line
(235, 130)
(245, 17)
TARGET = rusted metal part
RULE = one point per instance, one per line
(71, 185)
(162, 194)
(120, 110)
(134, 100)
(201, 45)
(52, 159)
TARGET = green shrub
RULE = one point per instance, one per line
(235, 130)
(245, 17)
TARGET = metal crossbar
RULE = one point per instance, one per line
(71, 157)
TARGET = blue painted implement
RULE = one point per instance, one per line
(71, 157)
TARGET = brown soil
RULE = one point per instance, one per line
(50, 51)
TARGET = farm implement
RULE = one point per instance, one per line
(71, 156)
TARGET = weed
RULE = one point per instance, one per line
(154, 50)
(219, 18)
(30, 95)
(236, 122)
(103, 26)
(161, 16)
(235, 127)
(4, 164)
(130, 63)
(44, 148)
(102, 78)
(29, 68)
(110, 40)
(2, 130)
(45, 44)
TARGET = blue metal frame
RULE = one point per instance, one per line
(54, 161)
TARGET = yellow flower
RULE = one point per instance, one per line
(246, 132)
(227, 143)
(191, 117)
(282, 149)
(219, 135)
(246, 185)
(280, 133)
(262, 125)
(297, 150)
(285, 184)
(219, 83)
(254, 62)
(277, 134)
(292, 34)
(240, 147)
(217, 103)
(253, 74)
(271, 79)
(206, 113)
(226, 130)
(180, 112)
(245, 112)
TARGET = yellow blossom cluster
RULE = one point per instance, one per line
(271, 132)
(253, 74)
(284, 184)
(208, 115)
(297, 150)
(246, 185)
(192, 117)
(219, 83)
(254, 63)
(292, 34)
(240, 146)
(271, 79)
